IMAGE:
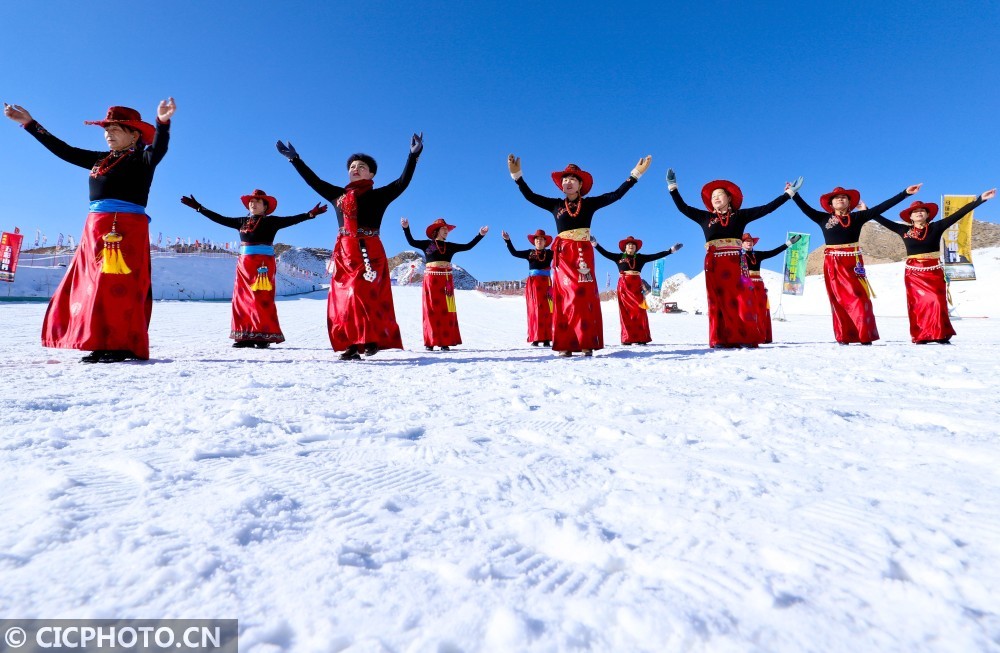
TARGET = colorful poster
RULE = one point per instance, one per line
(795, 266)
(10, 249)
(956, 243)
(659, 268)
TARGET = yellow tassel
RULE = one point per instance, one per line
(450, 299)
(947, 290)
(262, 282)
(112, 260)
(551, 307)
(867, 287)
(644, 306)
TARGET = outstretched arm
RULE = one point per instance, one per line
(611, 256)
(697, 215)
(516, 253)
(419, 244)
(878, 209)
(965, 210)
(757, 212)
(816, 216)
(69, 154)
(301, 217)
(601, 201)
(771, 253)
(897, 227)
(464, 247)
(396, 188)
(647, 258)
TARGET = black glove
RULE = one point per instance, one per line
(189, 200)
(676, 247)
(794, 239)
(417, 143)
(287, 151)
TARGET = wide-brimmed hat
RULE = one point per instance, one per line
(573, 170)
(258, 194)
(433, 227)
(129, 118)
(853, 198)
(753, 241)
(734, 191)
(930, 207)
(540, 234)
(630, 239)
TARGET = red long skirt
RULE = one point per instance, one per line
(763, 306)
(255, 315)
(440, 311)
(927, 300)
(359, 311)
(538, 296)
(732, 318)
(632, 310)
(576, 304)
(853, 316)
(96, 310)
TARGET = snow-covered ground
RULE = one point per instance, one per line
(799, 497)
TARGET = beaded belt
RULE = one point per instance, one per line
(630, 273)
(850, 249)
(754, 274)
(719, 243)
(361, 233)
(581, 234)
(446, 271)
(924, 257)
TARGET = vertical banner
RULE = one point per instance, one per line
(10, 249)
(795, 265)
(659, 268)
(956, 242)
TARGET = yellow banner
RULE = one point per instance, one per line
(956, 243)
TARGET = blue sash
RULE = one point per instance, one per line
(266, 250)
(117, 206)
(539, 273)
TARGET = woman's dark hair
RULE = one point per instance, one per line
(363, 158)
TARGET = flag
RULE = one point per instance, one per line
(659, 268)
(38, 236)
(10, 248)
(60, 241)
(795, 266)
(957, 240)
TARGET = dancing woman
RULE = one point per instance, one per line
(439, 309)
(750, 260)
(360, 315)
(255, 314)
(632, 308)
(104, 301)
(538, 290)
(926, 288)
(731, 323)
(577, 321)
(843, 266)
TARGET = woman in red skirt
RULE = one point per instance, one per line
(750, 260)
(723, 224)
(926, 289)
(440, 312)
(538, 291)
(104, 302)
(255, 315)
(632, 308)
(843, 266)
(360, 315)
(577, 321)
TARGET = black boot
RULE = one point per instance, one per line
(116, 356)
(445, 348)
(534, 344)
(351, 354)
(242, 344)
(371, 349)
(93, 357)
(547, 343)
(262, 344)
(428, 347)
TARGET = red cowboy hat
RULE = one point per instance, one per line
(930, 207)
(853, 197)
(128, 117)
(630, 239)
(573, 170)
(753, 241)
(540, 234)
(433, 227)
(258, 194)
(734, 192)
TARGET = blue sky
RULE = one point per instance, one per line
(873, 96)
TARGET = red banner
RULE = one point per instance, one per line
(10, 248)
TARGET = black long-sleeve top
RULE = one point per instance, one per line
(754, 258)
(834, 230)
(440, 250)
(588, 205)
(537, 259)
(371, 204)
(254, 230)
(735, 225)
(632, 263)
(127, 179)
(928, 239)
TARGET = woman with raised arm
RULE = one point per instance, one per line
(440, 311)
(577, 322)
(926, 289)
(255, 314)
(843, 266)
(723, 224)
(538, 290)
(632, 308)
(104, 302)
(750, 260)
(360, 314)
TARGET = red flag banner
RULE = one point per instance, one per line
(10, 249)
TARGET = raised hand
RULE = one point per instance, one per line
(793, 187)
(483, 230)
(404, 223)
(795, 238)
(189, 200)
(990, 194)
(641, 167)
(861, 206)
(912, 190)
(505, 235)
(287, 151)
(165, 110)
(676, 247)
(17, 113)
(318, 209)
(417, 143)
(514, 165)
(671, 179)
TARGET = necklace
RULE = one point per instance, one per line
(441, 246)
(250, 223)
(721, 218)
(843, 223)
(912, 233)
(102, 167)
(629, 261)
(579, 205)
